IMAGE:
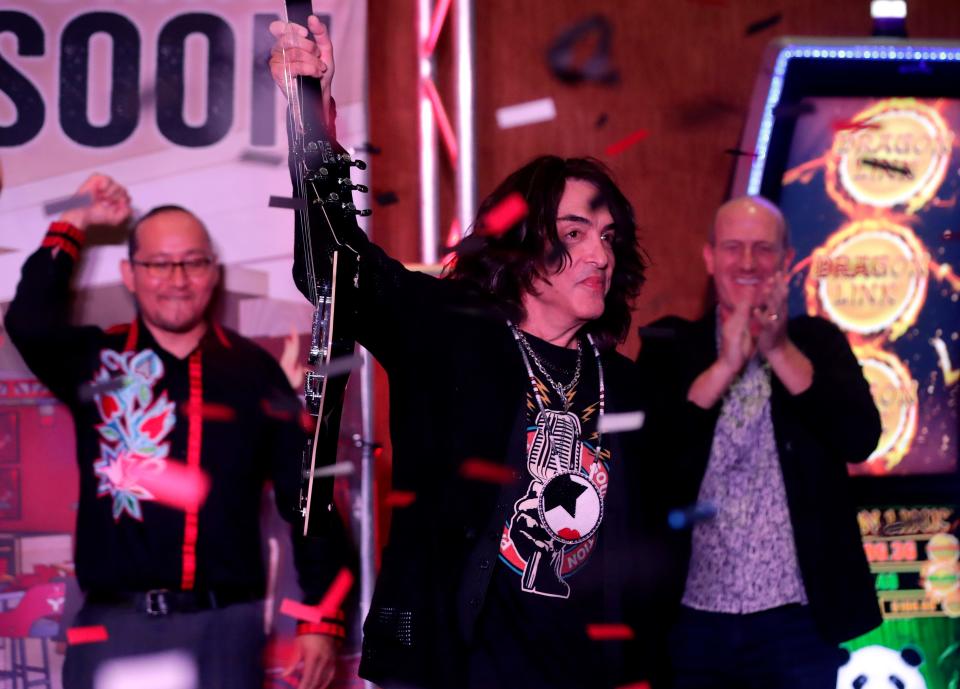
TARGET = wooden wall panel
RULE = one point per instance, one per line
(687, 70)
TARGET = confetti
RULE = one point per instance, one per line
(367, 147)
(167, 670)
(758, 26)
(950, 375)
(609, 632)
(280, 409)
(399, 498)
(335, 469)
(597, 66)
(688, 516)
(654, 332)
(488, 472)
(333, 599)
(504, 215)
(300, 611)
(387, 198)
(262, 157)
(632, 139)
(887, 166)
(471, 244)
(530, 112)
(598, 201)
(340, 366)
(636, 685)
(86, 635)
(308, 422)
(67, 203)
(295, 204)
(213, 412)
(619, 423)
(175, 484)
(791, 111)
(854, 126)
(90, 390)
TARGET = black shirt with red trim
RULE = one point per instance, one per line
(227, 408)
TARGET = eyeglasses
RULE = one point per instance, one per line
(163, 270)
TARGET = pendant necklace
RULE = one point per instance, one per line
(553, 459)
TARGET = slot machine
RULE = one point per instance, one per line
(858, 142)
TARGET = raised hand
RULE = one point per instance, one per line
(736, 342)
(109, 203)
(302, 51)
(769, 319)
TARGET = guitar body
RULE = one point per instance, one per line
(325, 394)
(321, 176)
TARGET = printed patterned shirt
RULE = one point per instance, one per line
(744, 560)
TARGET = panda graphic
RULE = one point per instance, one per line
(879, 667)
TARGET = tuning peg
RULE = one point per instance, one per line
(344, 158)
(350, 209)
(347, 183)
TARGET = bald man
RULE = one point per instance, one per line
(760, 416)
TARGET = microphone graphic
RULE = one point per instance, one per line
(686, 517)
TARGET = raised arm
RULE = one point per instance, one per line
(385, 297)
(38, 317)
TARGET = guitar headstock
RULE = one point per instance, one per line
(323, 166)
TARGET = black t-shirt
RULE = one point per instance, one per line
(548, 581)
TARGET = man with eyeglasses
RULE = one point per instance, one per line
(171, 390)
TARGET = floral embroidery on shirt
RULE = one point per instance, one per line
(134, 429)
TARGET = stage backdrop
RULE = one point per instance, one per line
(170, 98)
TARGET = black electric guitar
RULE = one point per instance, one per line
(321, 177)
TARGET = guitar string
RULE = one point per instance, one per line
(295, 104)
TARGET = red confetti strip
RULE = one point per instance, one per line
(626, 142)
(86, 635)
(400, 498)
(850, 125)
(276, 412)
(211, 411)
(609, 632)
(176, 485)
(308, 422)
(636, 685)
(337, 593)
(482, 470)
(504, 215)
(299, 611)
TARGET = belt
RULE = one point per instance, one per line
(160, 602)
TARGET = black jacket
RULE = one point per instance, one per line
(458, 389)
(817, 433)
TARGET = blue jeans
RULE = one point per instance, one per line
(778, 648)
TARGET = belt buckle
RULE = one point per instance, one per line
(156, 602)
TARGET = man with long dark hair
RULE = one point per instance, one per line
(522, 530)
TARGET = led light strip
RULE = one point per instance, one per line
(828, 52)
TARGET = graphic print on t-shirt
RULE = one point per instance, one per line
(554, 524)
(134, 429)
